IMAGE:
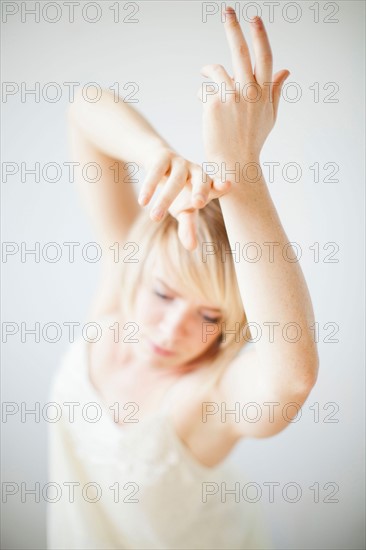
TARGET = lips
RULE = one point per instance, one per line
(161, 351)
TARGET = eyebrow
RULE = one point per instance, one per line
(177, 293)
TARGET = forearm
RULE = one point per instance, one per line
(116, 129)
(273, 288)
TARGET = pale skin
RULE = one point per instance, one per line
(272, 291)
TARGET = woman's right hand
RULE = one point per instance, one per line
(185, 189)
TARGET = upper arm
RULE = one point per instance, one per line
(112, 207)
(104, 186)
(264, 409)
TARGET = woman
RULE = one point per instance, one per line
(170, 322)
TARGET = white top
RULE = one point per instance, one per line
(136, 487)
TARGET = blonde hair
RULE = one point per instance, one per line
(211, 274)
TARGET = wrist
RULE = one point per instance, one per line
(236, 170)
(246, 196)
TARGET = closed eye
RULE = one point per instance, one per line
(163, 296)
(210, 319)
(205, 317)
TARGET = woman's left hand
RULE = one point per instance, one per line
(234, 129)
(236, 125)
(182, 183)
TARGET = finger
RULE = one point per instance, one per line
(278, 81)
(201, 185)
(262, 52)
(172, 188)
(219, 76)
(217, 73)
(220, 187)
(187, 223)
(152, 179)
(242, 65)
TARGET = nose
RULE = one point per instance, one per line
(175, 324)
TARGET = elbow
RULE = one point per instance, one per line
(309, 375)
(314, 367)
(308, 366)
(303, 372)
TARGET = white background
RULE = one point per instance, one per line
(163, 53)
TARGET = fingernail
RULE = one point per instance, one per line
(256, 20)
(229, 11)
(157, 213)
(199, 198)
(142, 199)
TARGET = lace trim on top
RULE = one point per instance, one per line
(144, 449)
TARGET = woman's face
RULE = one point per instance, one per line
(174, 326)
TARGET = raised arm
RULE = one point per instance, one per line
(113, 134)
(110, 134)
(273, 288)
